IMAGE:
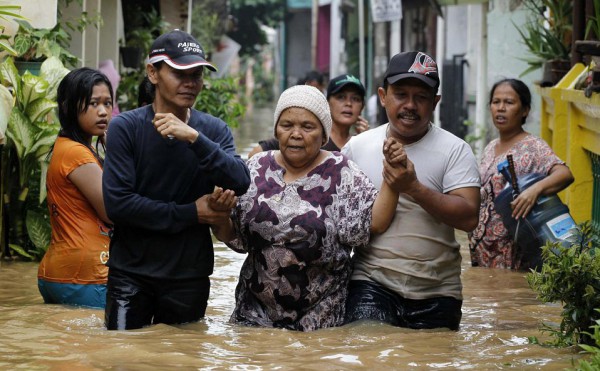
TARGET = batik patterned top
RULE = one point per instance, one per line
(299, 237)
(490, 243)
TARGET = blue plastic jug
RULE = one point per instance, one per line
(548, 220)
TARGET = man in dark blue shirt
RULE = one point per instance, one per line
(163, 161)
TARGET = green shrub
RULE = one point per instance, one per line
(594, 362)
(220, 98)
(571, 275)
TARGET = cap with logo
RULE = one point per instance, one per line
(338, 83)
(416, 65)
(179, 50)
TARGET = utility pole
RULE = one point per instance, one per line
(314, 33)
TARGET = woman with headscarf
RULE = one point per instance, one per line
(305, 210)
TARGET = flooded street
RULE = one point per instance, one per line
(500, 312)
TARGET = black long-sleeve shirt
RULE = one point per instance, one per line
(150, 185)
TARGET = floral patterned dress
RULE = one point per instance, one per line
(490, 243)
(299, 237)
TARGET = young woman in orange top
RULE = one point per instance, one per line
(73, 270)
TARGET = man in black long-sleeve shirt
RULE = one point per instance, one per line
(162, 163)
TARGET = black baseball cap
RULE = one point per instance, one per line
(179, 50)
(341, 81)
(416, 65)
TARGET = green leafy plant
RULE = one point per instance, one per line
(144, 28)
(8, 11)
(594, 350)
(471, 137)
(32, 129)
(547, 34)
(593, 22)
(209, 23)
(250, 16)
(219, 97)
(37, 44)
(571, 276)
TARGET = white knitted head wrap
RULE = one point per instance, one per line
(309, 98)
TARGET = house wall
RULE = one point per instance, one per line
(298, 45)
(39, 13)
(505, 54)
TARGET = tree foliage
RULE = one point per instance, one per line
(249, 16)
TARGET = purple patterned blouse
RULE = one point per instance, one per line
(299, 237)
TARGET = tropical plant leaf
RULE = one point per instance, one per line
(33, 88)
(53, 71)
(38, 229)
(44, 139)
(21, 44)
(5, 46)
(20, 132)
(9, 76)
(39, 108)
(6, 105)
(19, 250)
(7, 11)
(43, 173)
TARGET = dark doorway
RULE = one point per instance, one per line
(453, 107)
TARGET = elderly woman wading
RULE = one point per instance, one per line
(305, 210)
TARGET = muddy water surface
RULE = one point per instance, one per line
(499, 313)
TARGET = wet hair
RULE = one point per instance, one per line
(145, 92)
(520, 88)
(73, 97)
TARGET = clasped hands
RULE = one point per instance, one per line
(398, 169)
(215, 208)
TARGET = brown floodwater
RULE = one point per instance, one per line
(500, 312)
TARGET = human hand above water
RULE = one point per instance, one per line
(222, 200)
(394, 153)
(361, 125)
(170, 126)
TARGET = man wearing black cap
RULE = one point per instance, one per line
(162, 163)
(409, 276)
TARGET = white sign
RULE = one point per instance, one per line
(386, 10)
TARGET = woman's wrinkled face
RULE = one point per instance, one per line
(506, 109)
(300, 136)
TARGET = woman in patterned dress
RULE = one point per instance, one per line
(305, 210)
(490, 244)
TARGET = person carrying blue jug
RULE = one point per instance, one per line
(491, 244)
